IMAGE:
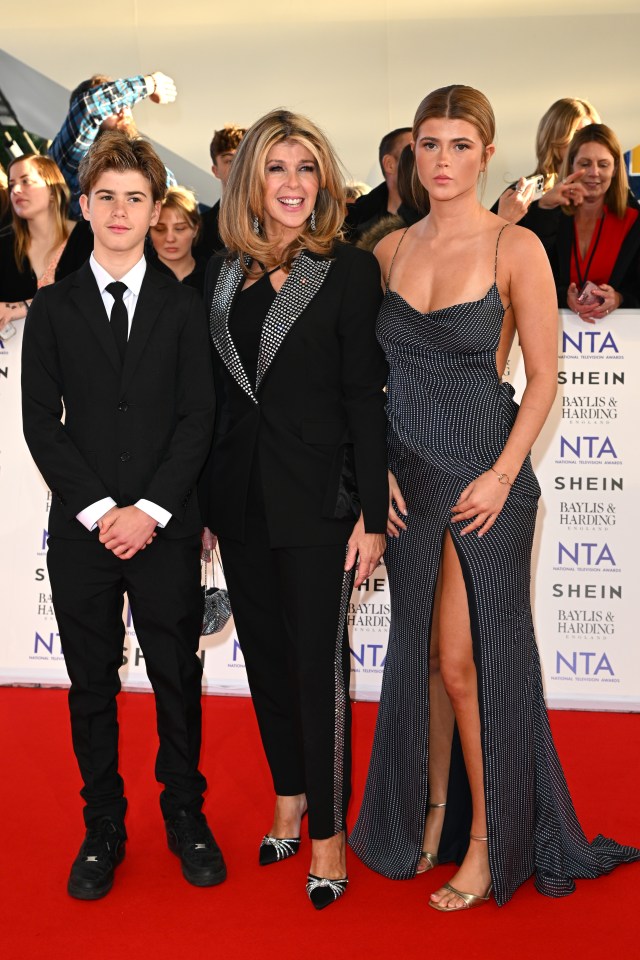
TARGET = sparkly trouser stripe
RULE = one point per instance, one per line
(341, 694)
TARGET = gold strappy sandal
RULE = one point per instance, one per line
(470, 900)
(430, 859)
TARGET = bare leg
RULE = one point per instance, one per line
(287, 816)
(329, 857)
(440, 735)
(460, 681)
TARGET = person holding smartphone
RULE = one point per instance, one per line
(595, 250)
(519, 202)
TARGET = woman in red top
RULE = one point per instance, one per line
(600, 239)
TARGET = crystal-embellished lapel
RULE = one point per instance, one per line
(229, 281)
(306, 277)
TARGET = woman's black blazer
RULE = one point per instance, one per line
(316, 415)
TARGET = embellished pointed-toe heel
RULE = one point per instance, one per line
(323, 892)
(429, 860)
(470, 900)
(274, 849)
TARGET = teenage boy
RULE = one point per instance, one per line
(223, 148)
(125, 349)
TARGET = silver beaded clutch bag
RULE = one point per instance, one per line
(217, 608)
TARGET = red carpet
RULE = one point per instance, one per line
(152, 913)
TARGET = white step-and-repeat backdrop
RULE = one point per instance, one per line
(586, 599)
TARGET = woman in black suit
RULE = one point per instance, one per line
(297, 480)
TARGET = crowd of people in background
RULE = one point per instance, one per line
(578, 204)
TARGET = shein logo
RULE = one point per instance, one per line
(588, 448)
(589, 341)
(585, 554)
(584, 663)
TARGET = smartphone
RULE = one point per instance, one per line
(590, 296)
(538, 186)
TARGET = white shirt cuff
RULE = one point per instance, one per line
(90, 515)
(159, 514)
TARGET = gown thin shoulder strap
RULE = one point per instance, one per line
(495, 265)
(404, 233)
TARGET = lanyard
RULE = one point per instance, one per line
(582, 279)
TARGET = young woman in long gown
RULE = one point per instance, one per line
(464, 767)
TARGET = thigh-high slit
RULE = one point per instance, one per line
(531, 823)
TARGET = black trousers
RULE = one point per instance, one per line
(290, 612)
(163, 584)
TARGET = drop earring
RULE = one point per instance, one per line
(312, 221)
(256, 226)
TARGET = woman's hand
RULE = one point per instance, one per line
(595, 311)
(209, 541)
(565, 192)
(514, 203)
(366, 549)
(11, 311)
(394, 523)
(481, 502)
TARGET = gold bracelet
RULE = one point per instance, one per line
(502, 477)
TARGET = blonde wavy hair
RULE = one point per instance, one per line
(50, 172)
(243, 197)
(555, 132)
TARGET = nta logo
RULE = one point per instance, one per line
(585, 554)
(589, 341)
(587, 447)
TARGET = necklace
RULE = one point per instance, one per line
(267, 273)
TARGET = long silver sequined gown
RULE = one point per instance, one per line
(449, 418)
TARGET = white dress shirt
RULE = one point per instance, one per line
(133, 281)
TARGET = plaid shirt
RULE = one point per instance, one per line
(82, 125)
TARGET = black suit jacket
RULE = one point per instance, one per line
(316, 417)
(138, 430)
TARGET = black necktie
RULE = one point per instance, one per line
(119, 316)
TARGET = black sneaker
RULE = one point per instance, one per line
(92, 870)
(190, 838)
